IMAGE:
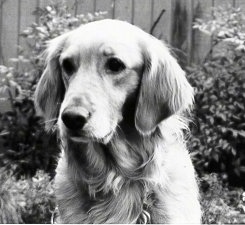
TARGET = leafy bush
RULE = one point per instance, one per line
(221, 205)
(32, 200)
(219, 131)
(9, 212)
(26, 200)
(36, 198)
(25, 143)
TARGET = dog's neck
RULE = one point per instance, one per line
(117, 171)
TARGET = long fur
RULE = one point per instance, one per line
(142, 172)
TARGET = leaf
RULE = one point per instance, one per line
(237, 172)
(242, 169)
(233, 151)
(241, 133)
(216, 157)
(3, 69)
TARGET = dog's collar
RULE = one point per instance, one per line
(148, 202)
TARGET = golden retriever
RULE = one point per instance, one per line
(117, 97)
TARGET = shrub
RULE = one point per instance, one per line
(26, 200)
(35, 197)
(25, 143)
(221, 205)
(9, 212)
(219, 131)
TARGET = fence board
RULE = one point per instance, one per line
(27, 8)
(70, 3)
(1, 28)
(10, 30)
(163, 28)
(182, 29)
(105, 5)
(85, 6)
(142, 14)
(175, 25)
(201, 41)
(240, 4)
(223, 3)
(123, 10)
(43, 3)
(72, 7)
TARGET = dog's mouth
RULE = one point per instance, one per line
(85, 138)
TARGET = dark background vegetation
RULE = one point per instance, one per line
(217, 140)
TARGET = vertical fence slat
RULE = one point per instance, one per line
(27, 8)
(43, 3)
(142, 15)
(105, 5)
(174, 26)
(240, 4)
(182, 29)
(71, 4)
(223, 3)
(201, 41)
(72, 7)
(163, 28)
(1, 29)
(85, 6)
(9, 32)
(123, 10)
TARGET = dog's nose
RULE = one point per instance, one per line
(75, 119)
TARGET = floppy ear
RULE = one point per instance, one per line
(50, 88)
(164, 88)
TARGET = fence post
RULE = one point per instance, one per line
(182, 29)
(201, 42)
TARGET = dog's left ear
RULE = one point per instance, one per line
(164, 88)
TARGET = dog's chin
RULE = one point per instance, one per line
(83, 138)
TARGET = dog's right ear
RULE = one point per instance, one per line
(50, 88)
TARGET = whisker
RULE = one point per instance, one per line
(49, 121)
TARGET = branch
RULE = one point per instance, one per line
(157, 21)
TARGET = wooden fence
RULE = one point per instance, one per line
(175, 26)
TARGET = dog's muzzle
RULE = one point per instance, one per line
(75, 118)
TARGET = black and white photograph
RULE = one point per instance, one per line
(122, 111)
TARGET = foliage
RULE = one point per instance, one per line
(31, 200)
(221, 205)
(54, 20)
(25, 143)
(26, 200)
(219, 131)
(9, 212)
(36, 198)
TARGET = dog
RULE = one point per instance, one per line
(118, 99)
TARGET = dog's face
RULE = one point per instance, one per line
(93, 70)
(99, 72)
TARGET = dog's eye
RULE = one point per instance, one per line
(115, 65)
(68, 66)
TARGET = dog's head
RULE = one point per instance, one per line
(93, 70)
